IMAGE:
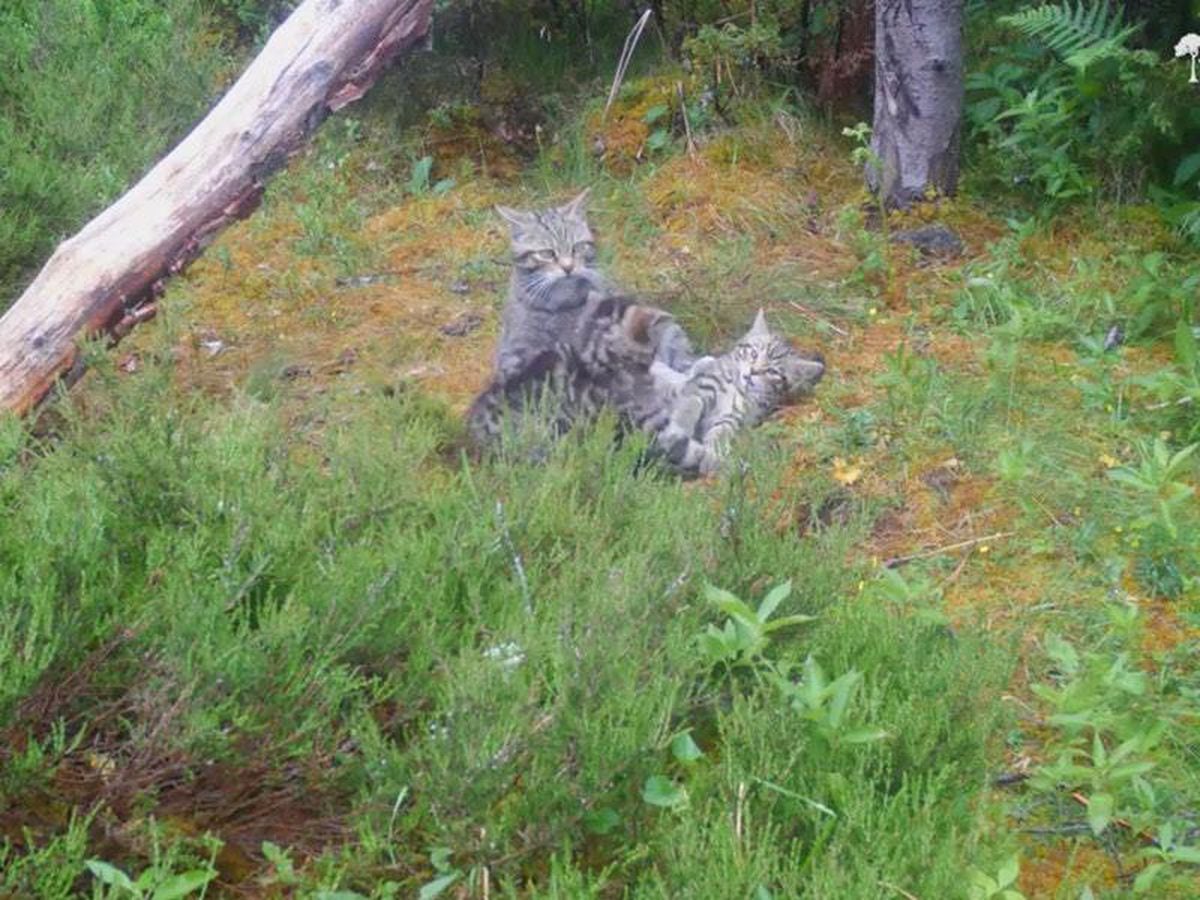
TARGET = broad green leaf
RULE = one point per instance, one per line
(601, 821)
(1146, 877)
(183, 884)
(1100, 812)
(435, 888)
(738, 611)
(418, 181)
(843, 690)
(1186, 855)
(1009, 871)
(981, 884)
(1123, 773)
(1178, 459)
(1187, 168)
(661, 791)
(1062, 653)
(439, 858)
(658, 139)
(1129, 477)
(654, 113)
(774, 597)
(787, 622)
(111, 875)
(684, 749)
(814, 677)
(723, 599)
(864, 735)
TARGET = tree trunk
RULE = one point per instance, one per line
(918, 99)
(105, 278)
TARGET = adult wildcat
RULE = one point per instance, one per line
(554, 272)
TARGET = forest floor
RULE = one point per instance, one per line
(281, 635)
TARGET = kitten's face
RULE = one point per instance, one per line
(771, 369)
(549, 245)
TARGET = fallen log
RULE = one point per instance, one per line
(106, 278)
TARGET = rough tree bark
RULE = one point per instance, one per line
(106, 278)
(918, 98)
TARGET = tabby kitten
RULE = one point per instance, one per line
(604, 361)
(693, 416)
(554, 272)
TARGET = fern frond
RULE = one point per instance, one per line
(1080, 34)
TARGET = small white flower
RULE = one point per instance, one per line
(1189, 45)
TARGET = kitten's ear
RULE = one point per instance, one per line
(578, 206)
(638, 322)
(759, 328)
(514, 217)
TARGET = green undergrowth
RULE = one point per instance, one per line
(494, 660)
(91, 93)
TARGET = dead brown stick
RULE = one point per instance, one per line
(687, 126)
(804, 310)
(1182, 401)
(326, 55)
(897, 561)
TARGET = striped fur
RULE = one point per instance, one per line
(554, 272)
(693, 416)
(604, 362)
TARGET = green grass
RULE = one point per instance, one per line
(354, 619)
(91, 93)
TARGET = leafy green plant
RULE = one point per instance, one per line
(746, 634)
(1083, 127)
(153, 883)
(825, 704)
(419, 182)
(661, 791)
(1113, 743)
(722, 52)
(1081, 34)
(1176, 388)
(1168, 851)
(660, 135)
(447, 874)
(1163, 550)
(982, 886)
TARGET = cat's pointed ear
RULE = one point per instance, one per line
(578, 206)
(759, 328)
(514, 217)
(638, 321)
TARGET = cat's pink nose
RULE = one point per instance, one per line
(567, 263)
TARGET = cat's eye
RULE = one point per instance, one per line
(584, 249)
(545, 255)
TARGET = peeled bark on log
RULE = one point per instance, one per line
(918, 99)
(105, 278)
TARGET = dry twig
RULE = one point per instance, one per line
(897, 561)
